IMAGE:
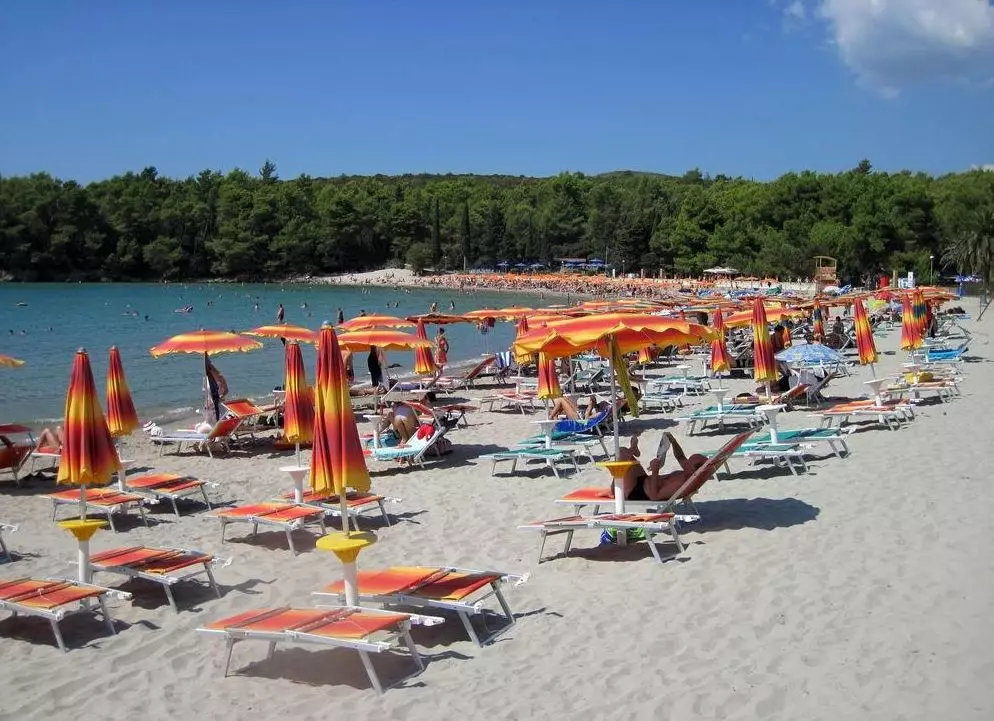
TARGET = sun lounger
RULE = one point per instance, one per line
(364, 630)
(835, 440)
(221, 435)
(652, 524)
(6, 528)
(727, 414)
(100, 501)
(54, 598)
(452, 589)
(165, 566)
(521, 401)
(466, 380)
(664, 401)
(45, 458)
(356, 504)
(945, 390)
(583, 443)
(169, 487)
(948, 355)
(286, 516)
(251, 416)
(891, 414)
(784, 455)
(549, 456)
(411, 452)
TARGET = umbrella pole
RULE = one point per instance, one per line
(297, 446)
(614, 404)
(82, 503)
(343, 508)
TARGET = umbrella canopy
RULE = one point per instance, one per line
(911, 334)
(424, 364)
(719, 352)
(88, 455)
(818, 320)
(365, 322)
(285, 331)
(337, 461)
(10, 362)
(122, 418)
(764, 367)
(298, 409)
(209, 342)
(385, 339)
(773, 315)
(548, 378)
(864, 334)
(810, 354)
(521, 358)
(921, 310)
(437, 318)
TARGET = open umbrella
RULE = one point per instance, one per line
(424, 363)
(386, 339)
(764, 366)
(10, 362)
(286, 332)
(773, 315)
(208, 342)
(122, 418)
(365, 322)
(911, 335)
(437, 318)
(810, 354)
(298, 404)
(719, 351)
(548, 378)
(88, 455)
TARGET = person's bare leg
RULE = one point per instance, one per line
(401, 429)
(49, 439)
(558, 409)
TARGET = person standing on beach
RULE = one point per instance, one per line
(441, 349)
(374, 366)
(280, 313)
(341, 316)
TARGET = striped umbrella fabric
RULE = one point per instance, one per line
(386, 339)
(337, 461)
(298, 409)
(624, 381)
(122, 418)
(88, 455)
(720, 362)
(773, 315)
(366, 322)
(10, 362)
(548, 378)
(818, 321)
(864, 334)
(911, 333)
(209, 342)
(519, 357)
(764, 366)
(285, 331)
(437, 318)
(921, 311)
(424, 363)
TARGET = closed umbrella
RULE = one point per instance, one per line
(720, 362)
(122, 418)
(864, 336)
(764, 366)
(424, 363)
(911, 335)
(818, 321)
(298, 403)
(548, 378)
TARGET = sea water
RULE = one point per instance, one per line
(44, 324)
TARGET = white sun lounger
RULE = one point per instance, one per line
(891, 415)
(364, 630)
(438, 587)
(549, 456)
(652, 524)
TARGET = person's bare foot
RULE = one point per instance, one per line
(633, 446)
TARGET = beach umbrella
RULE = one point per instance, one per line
(810, 354)
(773, 315)
(911, 335)
(298, 405)
(386, 339)
(818, 321)
(864, 336)
(764, 366)
(788, 339)
(122, 418)
(424, 364)
(548, 378)
(519, 357)
(921, 311)
(720, 362)
(88, 455)
(208, 342)
(10, 362)
(286, 332)
(437, 318)
(365, 322)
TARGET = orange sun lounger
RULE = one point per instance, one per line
(102, 501)
(453, 589)
(355, 504)
(891, 413)
(53, 598)
(288, 516)
(158, 565)
(364, 630)
(170, 487)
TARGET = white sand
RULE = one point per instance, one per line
(860, 590)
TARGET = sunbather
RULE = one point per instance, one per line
(564, 407)
(653, 486)
(50, 438)
(402, 419)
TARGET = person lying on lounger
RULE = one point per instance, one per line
(640, 485)
(564, 407)
(50, 439)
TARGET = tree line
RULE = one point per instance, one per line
(143, 226)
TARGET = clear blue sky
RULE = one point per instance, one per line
(534, 87)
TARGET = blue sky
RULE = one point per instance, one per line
(741, 87)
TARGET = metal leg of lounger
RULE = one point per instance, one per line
(58, 635)
(175, 509)
(271, 651)
(383, 510)
(675, 535)
(467, 624)
(230, 644)
(141, 511)
(569, 542)
(289, 540)
(206, 499)
(652, 546)
(413, 650)
(211, 580)
(576, 466)
(169, 597)
(541, 548)
(3, 549)
(110, 519)
(106, 614)
(255, 528)
(370, 671)
(552, 465)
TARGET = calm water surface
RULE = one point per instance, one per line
(59, 318)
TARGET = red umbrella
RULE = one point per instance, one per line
(719, 352)
(764, 366)
(548, 379)
(122, 418)
(424, 364)
(864, 336)
(298, 407)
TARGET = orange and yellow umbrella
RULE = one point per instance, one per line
(285, 331)
(365, 322)
(519, 357)
(10, 362)
(386, 339)
(207, 342)
(337, 461)
(764, 366)
(88, 455)
(437, 318)
(719, 352)
(773, 315)
(548, 378)
(864, 335)
(818, 321)
(424, 364)
(298, 408)
(911, 334)
(921, 311)
(122, 418)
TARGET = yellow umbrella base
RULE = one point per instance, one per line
(346, 545)
(83, 528)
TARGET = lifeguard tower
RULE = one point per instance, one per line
(825, 268)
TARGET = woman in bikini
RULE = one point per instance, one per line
(653, 486)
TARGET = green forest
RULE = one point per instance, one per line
(143, 226)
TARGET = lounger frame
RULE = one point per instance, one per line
(165, 580)
(288, 526)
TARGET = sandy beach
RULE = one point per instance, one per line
(860, 589)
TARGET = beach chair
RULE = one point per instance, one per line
(252, 417)
(651, 524)
(467, 379)
(698, 420)
(586, 380)
(783, 455)
(169, 487)
(164, 566)
(504, 365)
(891, 414)
(412, 452)
(287, 517)
(835, 440)
(13, 458)
(6, 528)
(936, 355)
(356, 504)
(55, 598)
(549, 456)
(99, 501)
(221, 435)
(510, 399)
(944, 389)
(665, 400)
(445, 588)
(364, 630)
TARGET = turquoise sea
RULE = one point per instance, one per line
(59, 318)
